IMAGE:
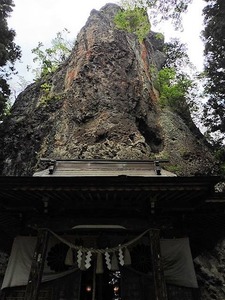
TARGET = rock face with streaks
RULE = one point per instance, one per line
(100, 103)
(210, 267)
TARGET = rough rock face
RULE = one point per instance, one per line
(100, 103)
(187, 152)
(210, 268)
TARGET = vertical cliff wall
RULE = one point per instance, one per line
(100, 103)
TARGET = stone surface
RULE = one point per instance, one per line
(102, 104)
(210, 268)
(187, 151)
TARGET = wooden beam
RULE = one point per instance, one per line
(159, 282)
(37, 266)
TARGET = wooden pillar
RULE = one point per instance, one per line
(37, 266)
(159, 282)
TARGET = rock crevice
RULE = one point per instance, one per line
(102, 104)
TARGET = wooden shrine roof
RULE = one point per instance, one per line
(71, 185)
(104, 168)
(97, 194)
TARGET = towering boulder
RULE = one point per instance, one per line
(101, 103)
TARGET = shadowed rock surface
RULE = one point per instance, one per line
(210, 268)
(101, 104)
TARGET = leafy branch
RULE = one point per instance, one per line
(134, 21)
(49, 59)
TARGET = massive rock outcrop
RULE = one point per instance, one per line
(101, 103)
(210, 268)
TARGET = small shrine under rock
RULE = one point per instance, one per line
(105, 229)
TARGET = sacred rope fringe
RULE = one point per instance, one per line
(114, 257)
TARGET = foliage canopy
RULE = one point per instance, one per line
(214, 39)
(134, 21)
(9, 53)
(49, 59)
(160, 10)
(175, 85)
(173, 88)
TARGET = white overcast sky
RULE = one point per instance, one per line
(40, 20)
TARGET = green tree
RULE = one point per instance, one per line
(182, 71)
(173, 89)
(214, 39)
(133, 20)
(49, 59)
(176, 81)
(160, 10)
(176, 56)
(9, 53)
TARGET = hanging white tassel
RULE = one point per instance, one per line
(127, 257)
(99, 267)
(108, 261)
(88, 260)
(82, 266)
(115, 266)
(79, 258)
(121, 257)
(69, 258)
